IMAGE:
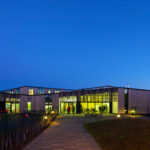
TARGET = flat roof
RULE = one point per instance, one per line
(35, 87)
(73, 90)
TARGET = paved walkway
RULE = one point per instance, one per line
(65, 133)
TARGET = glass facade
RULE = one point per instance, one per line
(97, 97)
(91, 103)
(115, 102)
(13, 105)
(67, 104)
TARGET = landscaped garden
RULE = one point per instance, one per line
(121, 134)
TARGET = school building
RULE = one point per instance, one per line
(116, 100)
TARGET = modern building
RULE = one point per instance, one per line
(30, 98)
(113, 99)
(110, 99)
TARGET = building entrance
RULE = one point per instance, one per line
(68, 107)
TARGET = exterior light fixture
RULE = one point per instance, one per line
(118, 116)
(53, 112)
(45, 117)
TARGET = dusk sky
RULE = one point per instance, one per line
(74, 43)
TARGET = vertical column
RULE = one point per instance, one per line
(110, 102)
(78, 104)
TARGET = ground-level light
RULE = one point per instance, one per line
(45, 117)
(118, 116)
(52, 112)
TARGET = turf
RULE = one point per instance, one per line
(121, 134)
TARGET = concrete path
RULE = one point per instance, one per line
(65, 133)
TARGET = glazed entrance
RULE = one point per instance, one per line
(68, 108)
(107, 102)
(67, 104)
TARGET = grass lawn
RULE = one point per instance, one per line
(121, 134)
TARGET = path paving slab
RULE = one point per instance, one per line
(65, 133)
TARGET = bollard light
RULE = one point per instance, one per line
(52, 112)
(45, 117)
(118, 116)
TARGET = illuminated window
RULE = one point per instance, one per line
(29, 106)
(81, 98)
(100, 97)
(11, 92)
(17, 99)
(56, 91)
(13, 108)
(31, 92)
(68, 99)
(12, 99)
(17, 107)
(7, 100)
(89, 98)
(8, 107)
(48, 107)
(115, 96)
(115, 102)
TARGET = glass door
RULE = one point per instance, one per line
(64, 106)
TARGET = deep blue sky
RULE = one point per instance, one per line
(74, 43)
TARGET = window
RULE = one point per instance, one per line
(13, 105)
(56, 91)
(31, 92)
(48, 98)
(125, 91)
(48, 103)
(115, 96)
(11, 92)
(29, 106)
(8, 107)
(18, 91)
(40, 91)
(17, 107)
(68, 99)
(48, 107)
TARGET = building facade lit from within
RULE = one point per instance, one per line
(89, 100)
